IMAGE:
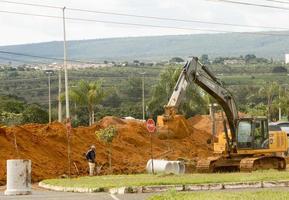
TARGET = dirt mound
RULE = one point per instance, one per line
(46, 146)
(111, 120)
(204, 123)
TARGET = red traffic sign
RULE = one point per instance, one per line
(151, 126)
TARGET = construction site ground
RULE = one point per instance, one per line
(46, 146)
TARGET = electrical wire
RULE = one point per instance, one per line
(146, 25)
(251, 4)
(145, 16)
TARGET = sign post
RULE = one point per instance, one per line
(151, 127)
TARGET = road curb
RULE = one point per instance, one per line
(70, 189)
(164, 188)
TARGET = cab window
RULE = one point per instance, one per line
(245, 137)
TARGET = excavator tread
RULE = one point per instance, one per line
(206, 165)
(262, 162)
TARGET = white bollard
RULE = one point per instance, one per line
(18, 177)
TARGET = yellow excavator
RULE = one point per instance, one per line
(246, 144)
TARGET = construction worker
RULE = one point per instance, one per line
(90, 157)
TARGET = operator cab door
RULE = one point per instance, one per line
(253, 134)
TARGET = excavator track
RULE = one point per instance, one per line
(206, 165)
(262, 162)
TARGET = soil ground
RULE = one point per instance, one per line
(46, 146)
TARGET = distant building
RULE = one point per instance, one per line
(234, 62)
(286, 58)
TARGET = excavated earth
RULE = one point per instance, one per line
(46, 145)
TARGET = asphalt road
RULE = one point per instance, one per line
(48, 195)
(42, 194)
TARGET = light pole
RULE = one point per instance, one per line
(68, 123)
(65, 67)
(59, 95)
(49, 72)
(143, 96)
(280, 113)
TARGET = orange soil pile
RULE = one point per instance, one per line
(203, 122)
(46, 146)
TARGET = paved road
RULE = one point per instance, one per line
(48, 195)
(42, 194)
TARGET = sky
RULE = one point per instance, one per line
(20, 29)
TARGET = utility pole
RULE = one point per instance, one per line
(280, 113)
(65, 66)
(68, 123)
(143, 96)
(59, 96)
(49, 72)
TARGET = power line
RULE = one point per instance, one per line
(145, 16)
(21, 61)
(51, 58)
(31, 4)
(44, 57)
(116, 22)
(176, 19)
(251, 4)
(145, 25)
(276, 1)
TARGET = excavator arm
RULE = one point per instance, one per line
(195, 72)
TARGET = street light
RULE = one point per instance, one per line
(143, 96)
(49, 72)
(65, 67)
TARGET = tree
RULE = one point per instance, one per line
(279, 69)
(89, 94)
(193, 102)
(176, 60)
(269, 90)
(107, 135)
(112, 100)
(204, 59)
(34, 114)
(133, 88)
(249, 58)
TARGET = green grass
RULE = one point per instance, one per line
(146, 179)
(225, 195)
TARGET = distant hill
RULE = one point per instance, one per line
(156, 48)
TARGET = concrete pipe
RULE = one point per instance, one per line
(160, 166)
(175, 168)
(182, 167)
(18, 177)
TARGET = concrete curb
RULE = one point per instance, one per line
(164, 188)
(70, 189)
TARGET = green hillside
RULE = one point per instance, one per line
(161, 47)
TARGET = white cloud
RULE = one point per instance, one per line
(17, 29)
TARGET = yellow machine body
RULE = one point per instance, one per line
(278, 143)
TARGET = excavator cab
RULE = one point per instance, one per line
(252, 133)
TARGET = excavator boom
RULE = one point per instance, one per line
(194, 72)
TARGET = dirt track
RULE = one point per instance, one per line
(46, 145)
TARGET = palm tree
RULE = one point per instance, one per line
(88, 94)
(269, 90)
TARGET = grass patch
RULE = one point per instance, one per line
(112, 181)
(223, 195)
